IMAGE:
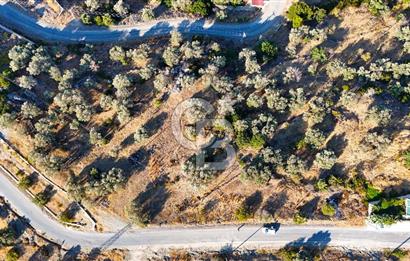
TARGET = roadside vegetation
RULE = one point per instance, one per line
(318, 114)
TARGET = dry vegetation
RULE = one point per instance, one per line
(286, 254)
(321, 123)
(18, 241)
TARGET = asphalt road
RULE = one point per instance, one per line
(200, 236)
(14, 18)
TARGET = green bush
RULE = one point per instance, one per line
(4, 83)
(298, 218)
(399, 253)
(67, 216)
(25, 182)
(318, 54)
(372, 193)
(41, 199)
(244, 141)
(4, 106)
(321, 185)
(200, 7)
(300, 11)
(104, 20)
(383, 219)
(268, 50)
(243, 213)
(86, 19)
(328, 210)
(406, 157)
(167, 3)
(12, 255)
(7, 237)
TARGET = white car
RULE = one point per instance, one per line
(269, 230)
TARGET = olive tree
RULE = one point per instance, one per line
(30, 111)
(251, 64)
(325, 159)
(96, 137)
(27, 82)
(121, 8)
(108, 182)
(404, 36)
(147, 14)
(176, 39)
(20, 56)
(140, 135)
(40, 62)
(117, 53)
(171, 56)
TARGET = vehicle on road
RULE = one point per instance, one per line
(270, 229)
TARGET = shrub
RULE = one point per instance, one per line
(404, 36)
(298, 218)
(137, 215)
(295, 166)
(375, 142)
(200, 7)
(147, 14)
(4, 83)
(318, 54)
(377, 7)
(300, 11)
(12, 255)
(256, 141)
(268, 49)
(66, 216)
(243, 213)
(399, 253)
(4, 106)
(7, 236)
(383, 219)
(257, 171)
(41, 198)
(251, 64)
(140, 135)
(372, 193)
(86, 19)
(25, 182)
(315, 138)
(328, 210)
(197, 170)
(104, 20)
(96, 138)
(406, 156)
(108, 182)
(321, 185)
(325, 159)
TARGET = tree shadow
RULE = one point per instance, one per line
(19, 226)
(309, 208)
(153, 198)
(72, 253)
(253, 202)
(94, 253)
(286, 138)
(337, 144)
(210, 205)
(154, 124)
(71, 211)
(4, 211)
(275, 202)
(44, 253)
(312, 246)
(141, 158)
